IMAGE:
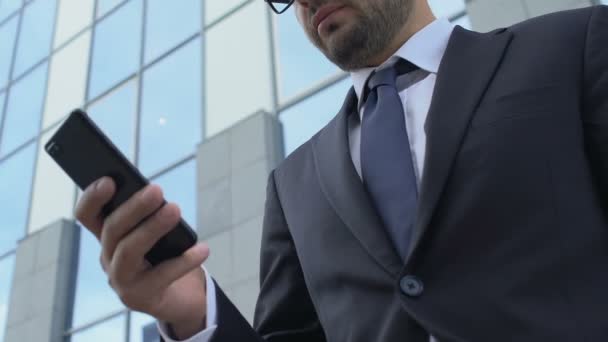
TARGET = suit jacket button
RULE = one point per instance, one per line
(411, 286)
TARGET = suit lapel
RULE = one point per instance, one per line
(467, 68)
(345, 191)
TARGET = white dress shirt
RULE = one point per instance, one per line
(425, 49)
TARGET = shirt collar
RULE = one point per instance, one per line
(425, 49)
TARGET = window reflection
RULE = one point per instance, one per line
(302, 121)
(301, 65)
(94, 297)
(8, 7)
(168, 23)
(16, 175)
(67, 79)
(2, 98)
(214, 10)
(72, 17)
(36, 34)
(111, 330)
(447, 8)
(117, 46)
(23, 110)
(143, 328)
(115, 115)
(463, 21)
(8, 32)
(104, 6)
(6, 274)
(179, 186)
(171, 108)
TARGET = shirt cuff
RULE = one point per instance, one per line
(211, 317)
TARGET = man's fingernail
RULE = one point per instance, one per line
(201, 249)
(103, 183)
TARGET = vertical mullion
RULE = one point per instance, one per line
(203, 79)
(128, 326)
(42, 107)
(273, 61)
(139, 75)
(11, 70)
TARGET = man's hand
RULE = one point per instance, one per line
(173, 291)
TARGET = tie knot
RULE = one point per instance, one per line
(388, 75)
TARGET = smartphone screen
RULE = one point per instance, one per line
(86, 154)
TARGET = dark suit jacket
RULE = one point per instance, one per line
(511, 242)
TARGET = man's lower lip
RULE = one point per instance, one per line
(328, 17)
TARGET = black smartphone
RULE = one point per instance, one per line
(86, 154)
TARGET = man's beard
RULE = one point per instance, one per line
(373, 31)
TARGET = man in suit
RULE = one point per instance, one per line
(460, 194)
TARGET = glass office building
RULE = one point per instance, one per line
(169, 82)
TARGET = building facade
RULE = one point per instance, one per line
(205, 97)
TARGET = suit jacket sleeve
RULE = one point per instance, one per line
(595, 118)
(284, 311)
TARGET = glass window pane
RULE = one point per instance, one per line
(301, 64)
(24, 110)
(139, 322)
(72, 17)
(463, 21)
(117, 46)
(15, 188)
(104, 6)
(115, 115)
(179, 186)
(8, 7)
(302, 121)
(447, 8)
(171, 108)
(54, 191)
(216, 9)
(94, 297)
(230, 74)
(67, 79)
(36, 34)
(168, 23)
(6, 274)
(2, 98)
(8, 32)
(112, 330)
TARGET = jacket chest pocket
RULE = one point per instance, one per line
(521, 105)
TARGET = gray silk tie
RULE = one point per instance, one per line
(386, 159)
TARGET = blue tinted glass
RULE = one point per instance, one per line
(179, 186)
(36, 34)
(103, 6)
(464, 21)
(301, 64)
(115, 115)
(143, 328)
(302, 121)
(94, 297)
(24, 110)
(112, 330)
(171, 108)
(8, 31)
(168, 23)
(16, 174)
(8, 7)
(117, 47)
(2, 98)
(6, 274)
(447, 8)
